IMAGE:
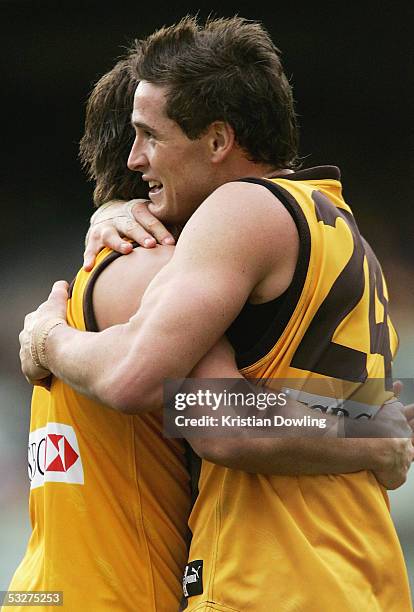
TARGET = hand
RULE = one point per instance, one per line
(409, 415)
(409, 409)
(37, 325)
(398, 452)
(117, 220)
(397, 387)
(397, 455)
(391, 420)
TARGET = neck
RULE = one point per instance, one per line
(276, 173)
(237, 166)
(243, 167)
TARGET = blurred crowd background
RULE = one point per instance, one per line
(353, 85)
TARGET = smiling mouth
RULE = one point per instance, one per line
(155, 187)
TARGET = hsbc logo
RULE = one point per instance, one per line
(54, 456)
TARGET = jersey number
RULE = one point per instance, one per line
(317, 352)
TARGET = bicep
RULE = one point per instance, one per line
(184, 313)
(216, 266)
(187, 307)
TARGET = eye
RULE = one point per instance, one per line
(144, 133)
(149, 135)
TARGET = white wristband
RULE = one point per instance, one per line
(40, 334)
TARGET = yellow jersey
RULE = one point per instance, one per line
(305, 543)
(109, 497)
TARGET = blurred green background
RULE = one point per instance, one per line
(352, 82)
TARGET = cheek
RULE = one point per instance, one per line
(177, 175)
(185, 169)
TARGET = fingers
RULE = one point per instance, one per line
(37, 326)
(130, 228)
(100, 236)
(59, 287)
(150, 223)
(57, 301)
(391, 420)
(409, 411)
(409, 415)
(397, 388)
(31, 372)
(400, 459)
(120, 220)
(91, 250)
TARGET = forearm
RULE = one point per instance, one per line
(291, 456)
(96, 365)
(306, 450)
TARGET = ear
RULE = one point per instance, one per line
(221, 140)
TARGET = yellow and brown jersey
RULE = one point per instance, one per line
(109, 497)
(305, 543)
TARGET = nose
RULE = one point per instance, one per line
(137, 158)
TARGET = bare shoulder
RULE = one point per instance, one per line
(120, 286)
(243, 228)
(257, 194)
(249, 207)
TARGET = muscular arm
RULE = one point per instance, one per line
(389, 458)
(294, 456)
(189, 304)
(117, 295)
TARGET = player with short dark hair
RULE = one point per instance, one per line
(227, 70)
(279, 251)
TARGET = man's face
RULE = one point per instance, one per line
(177, 169)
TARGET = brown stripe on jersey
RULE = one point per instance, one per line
(259, 326)
(317, 352)
(88, 312)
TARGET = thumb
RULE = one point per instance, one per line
(397, 388)
(59, 297)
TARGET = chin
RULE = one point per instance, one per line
(157, 209)
(162, 211)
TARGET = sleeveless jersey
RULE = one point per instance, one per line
(109, 499)
(305, 543)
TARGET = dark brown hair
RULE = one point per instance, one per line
(228, 70)
(108, 136)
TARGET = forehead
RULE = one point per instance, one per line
(149, 103)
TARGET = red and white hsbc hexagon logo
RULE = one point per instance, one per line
(54, 456)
